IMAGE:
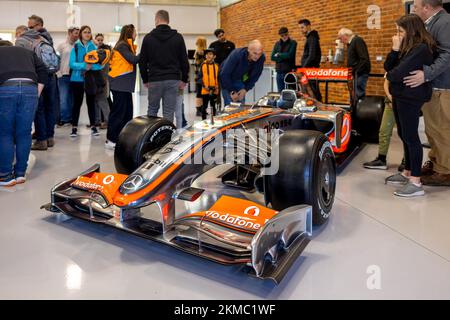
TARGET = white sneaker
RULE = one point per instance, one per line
(110, 145)
(20, 180)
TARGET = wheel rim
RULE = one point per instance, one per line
(327, 182)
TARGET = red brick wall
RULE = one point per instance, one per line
(261, 19)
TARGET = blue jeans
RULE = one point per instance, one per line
(44, 122)
(280, 81)
(65, 98)
(17, 109)
(227, 95)
(361, 84)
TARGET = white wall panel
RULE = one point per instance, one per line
(10, 15)
(186, 19)
(224, 3)
(103, 17)
(191, 21)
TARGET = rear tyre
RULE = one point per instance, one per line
(368, 115)
(142, 135)
(306, 175)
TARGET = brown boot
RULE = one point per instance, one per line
(50, 142)
(436, 179)
(39, 145)
(427, 168)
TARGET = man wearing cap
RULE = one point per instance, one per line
(283, 55)
(208, 79)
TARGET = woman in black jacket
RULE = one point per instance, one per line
(412, 49)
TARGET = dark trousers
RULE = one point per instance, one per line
(44, 121)
(315, 87)
(78, 94)
(280, 81)
(361, 84)
(121, 113)
(65, 99)
(208, 99)
(407, 113)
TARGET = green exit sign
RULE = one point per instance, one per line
(117, 28)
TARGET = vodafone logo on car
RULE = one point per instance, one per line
(253, 210)
(237, 213)
(315, 73)
(327, 73)
(87, 185)
(108, 179)
(241, 222)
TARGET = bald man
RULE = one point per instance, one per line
(240, 71)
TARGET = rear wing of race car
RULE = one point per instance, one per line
(332, 75)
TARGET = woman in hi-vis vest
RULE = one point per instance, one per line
(122, 79)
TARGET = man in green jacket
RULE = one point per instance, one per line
(284, 55)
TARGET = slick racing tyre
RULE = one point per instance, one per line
(368, 116)
(140, 136)
(306, 175)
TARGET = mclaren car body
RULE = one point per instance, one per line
(226, 228)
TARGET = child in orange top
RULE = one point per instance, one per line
(208, 78)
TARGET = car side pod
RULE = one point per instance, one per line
(276, 246)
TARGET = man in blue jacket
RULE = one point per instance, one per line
(240, 71)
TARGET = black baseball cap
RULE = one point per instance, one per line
(283, 30)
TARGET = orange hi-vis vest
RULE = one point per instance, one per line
(118, 66)
(210, 73)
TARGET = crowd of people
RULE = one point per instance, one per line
(33, 72)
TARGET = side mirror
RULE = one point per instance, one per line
(302, 106)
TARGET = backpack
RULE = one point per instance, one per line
(45, 51)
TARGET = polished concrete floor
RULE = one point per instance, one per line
(375, 246)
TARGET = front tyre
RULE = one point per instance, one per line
(306, 175)
(141, 136)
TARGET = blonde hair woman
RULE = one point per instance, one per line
(199, 59)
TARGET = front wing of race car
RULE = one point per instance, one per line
(231, 231)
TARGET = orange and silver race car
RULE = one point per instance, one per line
(277, 180)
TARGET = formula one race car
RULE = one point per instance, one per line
(266, 151)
